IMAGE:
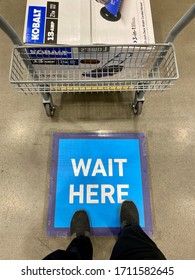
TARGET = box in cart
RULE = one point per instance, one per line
(135, 25)
(57, 22)
(76, 22)
(80, 23)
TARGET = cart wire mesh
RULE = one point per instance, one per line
(118, 68)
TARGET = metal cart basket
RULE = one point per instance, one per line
(99, 68)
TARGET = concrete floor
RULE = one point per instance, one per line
(26, 140)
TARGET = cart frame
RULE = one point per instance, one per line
(137, 68)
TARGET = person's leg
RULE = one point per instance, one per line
(80, 248)
(133, 243)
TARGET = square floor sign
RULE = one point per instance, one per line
(96, 172)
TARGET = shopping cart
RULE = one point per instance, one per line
(53, 69)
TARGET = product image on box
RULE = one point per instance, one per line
(110, 68)
(111, 11)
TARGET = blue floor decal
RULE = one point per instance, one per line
(96, 172)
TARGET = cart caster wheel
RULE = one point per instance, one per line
(137, 109)
(49, 110)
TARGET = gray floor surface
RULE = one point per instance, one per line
(26, 140)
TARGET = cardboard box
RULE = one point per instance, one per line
(57, 22)
(80, 25)
(79, 22)
(134, 27)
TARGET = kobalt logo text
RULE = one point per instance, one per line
(36, 24)
(45, 52)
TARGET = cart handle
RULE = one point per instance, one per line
(177, 28)
(11, 33)
(181, 24)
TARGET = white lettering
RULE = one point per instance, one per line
(120, 165)
(89, 168)
(35, 25)
(110, 167)
(81, 165)
(108, 194)
(35, 37)
(120, 193)
(35, 11)
(35, 31)
(90, 194)
(61, 53)
(37, 20)
(99, 168)
(80, 194)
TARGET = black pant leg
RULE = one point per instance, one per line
(134, 244)
(79, 249)
(82, 246)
